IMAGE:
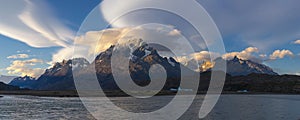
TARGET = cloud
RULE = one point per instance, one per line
(90, 44)
(202, 58)
(204, 55)
(246, 54)
(33, 23)
(297, 42)
(281, 54)
(263, 56)
(94, 42)
(17, 56)
(265, 25)
(174, 32)
(25, 67)
(244, 23)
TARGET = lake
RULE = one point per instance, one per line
(233, 107)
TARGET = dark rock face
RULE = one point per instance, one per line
(60, 76)
(6, 87)
(139, 66)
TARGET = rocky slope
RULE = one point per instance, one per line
(141, 61)
(23, 82)
(237, 67)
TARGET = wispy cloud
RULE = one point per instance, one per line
(33, 23)
(17, 56)
(264, 24)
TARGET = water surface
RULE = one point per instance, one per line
(233, 107)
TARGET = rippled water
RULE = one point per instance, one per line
(40, 108)
(246, 107)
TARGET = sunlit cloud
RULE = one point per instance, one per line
(94, 42)
(200, 61)
(297, 42)
(17, 56)
(281, 54)
(246, 54)
(174, 32)
(25, 67)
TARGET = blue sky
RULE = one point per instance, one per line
(263, 26)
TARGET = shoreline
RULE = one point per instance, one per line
(72, 93)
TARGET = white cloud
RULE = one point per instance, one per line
(25, 67)
(297, 42)
(281, 54)
(265, 25)
(195, 59)
(246, 54)
(263, 55)
(17, 56)
(33, 23)
(204, 55)
(174, 32)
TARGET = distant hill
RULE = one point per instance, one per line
(264, 83)
(6, 87)
(256, 83)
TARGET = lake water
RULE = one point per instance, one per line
(233, 107)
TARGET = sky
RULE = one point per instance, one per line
(36, 33)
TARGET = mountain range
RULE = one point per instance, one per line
(237, 67)
(60, 77)
(241, 74)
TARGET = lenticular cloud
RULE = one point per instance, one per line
(33, 24)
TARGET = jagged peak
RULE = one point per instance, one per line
(26, 77)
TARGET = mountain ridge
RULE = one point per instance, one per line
(237, 67)
(60, 77)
